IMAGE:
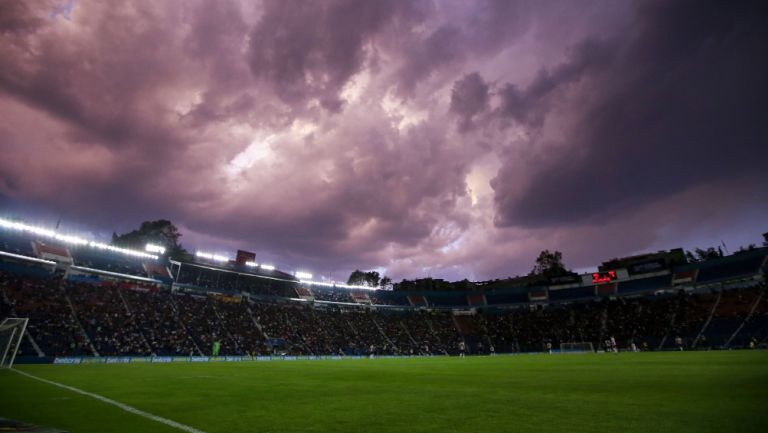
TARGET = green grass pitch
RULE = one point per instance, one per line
(642, 392)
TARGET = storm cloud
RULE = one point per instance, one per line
(453, 139)
(681, 105)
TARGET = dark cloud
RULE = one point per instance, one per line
(19, 18)
(104, 96)
(444, 46)
(680, 105)
(531, 105)
(308, 50)
(480, 31)
(320, 134)
(469, 97)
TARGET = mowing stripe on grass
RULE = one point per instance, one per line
(123, 406)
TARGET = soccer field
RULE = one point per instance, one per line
(642, 392)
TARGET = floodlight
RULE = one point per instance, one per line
(152, 248)
(71, 239)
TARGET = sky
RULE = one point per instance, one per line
(449, 139)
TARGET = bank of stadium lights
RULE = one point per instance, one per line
(262, 266)
(334, 284)
(214, 257)
(75, 240)
(154, 249)
(303, 275)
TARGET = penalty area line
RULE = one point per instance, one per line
(123, 406)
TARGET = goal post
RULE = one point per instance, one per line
(11, 332)
(580, 347)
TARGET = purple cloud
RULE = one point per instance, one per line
(453, 139)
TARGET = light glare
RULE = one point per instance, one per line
(72, 239)
(152, 248)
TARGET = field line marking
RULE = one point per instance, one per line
(123, 406)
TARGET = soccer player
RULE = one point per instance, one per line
(679, 343)
(549, 347)
(462, 349)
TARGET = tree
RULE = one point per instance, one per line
(158, 232)
(372, 278)
(356, 278)
(749, 247)
(360, 278)
(549, 264)
(385, 281)
(701, 255)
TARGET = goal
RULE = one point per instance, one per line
(11, 331)
(581, 347)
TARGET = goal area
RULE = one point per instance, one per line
(11, 332)
(580, 347)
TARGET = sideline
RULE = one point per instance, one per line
(123, 406)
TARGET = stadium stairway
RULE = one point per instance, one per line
(34, 345)
(256, 323)
(184, 326)
(384, 334)
(132, 318)
(709, 320)
(747, 320)
(408, 333)
(82, 329)
(672, 319)
(226, 328)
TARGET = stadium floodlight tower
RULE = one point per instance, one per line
(11, 331)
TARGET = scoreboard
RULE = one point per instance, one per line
(603, 277)
(245, 256)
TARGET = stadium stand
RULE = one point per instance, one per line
(207, 310)
(644, 284)
(332, 294)
(585, 292)
(741, 264)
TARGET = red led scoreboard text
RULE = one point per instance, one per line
(603, 277)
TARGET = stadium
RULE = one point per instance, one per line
(108, 317)
(380, 216)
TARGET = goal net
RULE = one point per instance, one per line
(11, 331)
(581, 347)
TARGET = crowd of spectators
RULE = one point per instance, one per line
(332, 294)
(51, 320)
(159, 322)
(106, 320)
(69, 318)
